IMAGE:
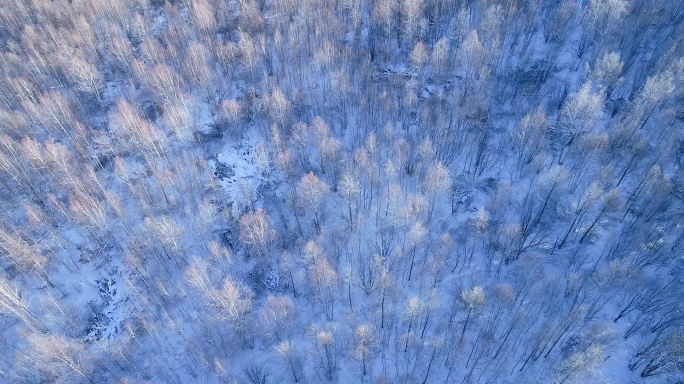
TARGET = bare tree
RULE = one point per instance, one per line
(664, 354)
(258, 234)
(121, 49)
(416, 235)
(604, 16)
(325, 343)
(528, 140)
(201, 75)
(472, 300)
(365, 344)
(607, 72)
(248, 51)
(61, 357)
(287, 351)
(411, 13)
(179, 118)
(278, 107)
(579, 112)
(349, 189)
(582, 364)
(135, 131)
(419, 57)
(491, 28)
(580, 208)
(13, 301)
(87, 78)
(440, 55)
(435, 184)
(204, 18)
(312, 192)
(559, 20)
(324, 281)
(166, 85)
(472, 56)
(257, 373)
(277, 317)
(233, 303)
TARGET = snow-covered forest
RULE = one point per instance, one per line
(352, 191)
